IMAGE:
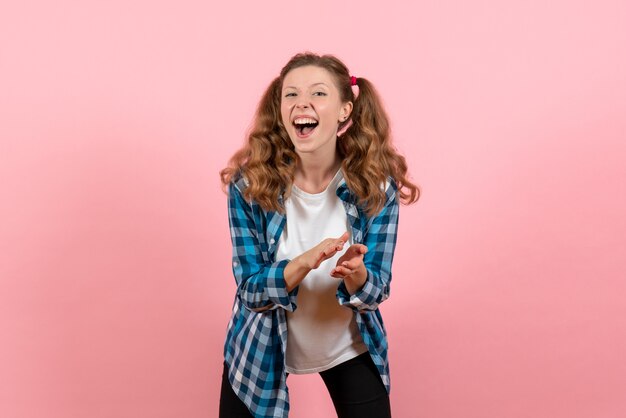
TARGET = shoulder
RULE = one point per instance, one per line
(238, 183)
(236, 193)
(391, 190)
(389, 187)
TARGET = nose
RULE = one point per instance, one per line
(302, 102)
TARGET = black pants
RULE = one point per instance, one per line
(354, 386)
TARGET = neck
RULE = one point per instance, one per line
(313, 174)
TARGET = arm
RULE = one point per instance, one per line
(380, 240)
(260, 285)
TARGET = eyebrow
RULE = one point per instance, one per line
(315, 84)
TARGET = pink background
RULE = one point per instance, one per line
(510, 272)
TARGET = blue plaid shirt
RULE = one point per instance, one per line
(257, 331)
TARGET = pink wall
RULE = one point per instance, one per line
(510, 272)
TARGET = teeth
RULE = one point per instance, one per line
(302, 121)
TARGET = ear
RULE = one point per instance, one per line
(346, 110)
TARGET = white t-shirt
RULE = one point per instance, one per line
(320, 332)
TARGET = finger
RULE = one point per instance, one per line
(343, 238)
(362, 249)
(351, 264)
(326, 253)
(343, 271)
(330, 251)
(334, 273)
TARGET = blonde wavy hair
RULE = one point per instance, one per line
(268, 159)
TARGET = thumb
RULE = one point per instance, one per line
(362, 249)
(344, 236)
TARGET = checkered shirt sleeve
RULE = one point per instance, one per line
(380, 239)
(260, 284)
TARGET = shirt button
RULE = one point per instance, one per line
(272, 241)
(235, 263)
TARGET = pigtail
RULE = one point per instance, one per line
(368, 154)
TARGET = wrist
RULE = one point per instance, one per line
(303, 263)
(356, 281)
(295, 272)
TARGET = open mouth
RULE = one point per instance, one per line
(305, 128)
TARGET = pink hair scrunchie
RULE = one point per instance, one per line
(355, 87)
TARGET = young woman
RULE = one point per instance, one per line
(313, 212)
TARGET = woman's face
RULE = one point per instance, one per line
(309, 96)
